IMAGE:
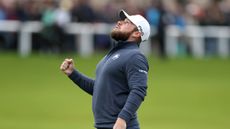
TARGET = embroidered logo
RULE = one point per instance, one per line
(115, 56)
(143, 71)
(141, 30)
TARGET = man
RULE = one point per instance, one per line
(121, 76)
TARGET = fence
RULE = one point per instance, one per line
(86, 31)
(197, 35)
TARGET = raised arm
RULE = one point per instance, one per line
(84, 82)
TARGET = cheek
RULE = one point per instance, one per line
(126, 28)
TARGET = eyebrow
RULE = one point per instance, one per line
(127, 20)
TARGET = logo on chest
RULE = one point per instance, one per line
(115, 56)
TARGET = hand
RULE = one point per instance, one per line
(120, 124)
(67, 66)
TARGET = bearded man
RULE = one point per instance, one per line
(121, 76)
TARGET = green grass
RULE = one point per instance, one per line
(182, 94)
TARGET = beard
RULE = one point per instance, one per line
(119, 35)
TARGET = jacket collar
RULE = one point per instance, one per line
(126, 44)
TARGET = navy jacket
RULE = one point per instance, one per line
(119, 87)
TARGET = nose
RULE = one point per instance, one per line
(119, 22)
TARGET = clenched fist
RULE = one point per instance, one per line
(67, 66)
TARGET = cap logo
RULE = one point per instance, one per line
(141, 30)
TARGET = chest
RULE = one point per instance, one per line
(112, 64)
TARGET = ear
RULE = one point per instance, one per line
(136, 34)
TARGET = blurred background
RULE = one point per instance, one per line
(188, 54)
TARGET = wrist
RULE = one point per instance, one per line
(69, 73)
(121, 121)
(120, 124)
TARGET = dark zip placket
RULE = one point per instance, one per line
(111, 53)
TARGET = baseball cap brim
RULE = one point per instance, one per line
(123, 15)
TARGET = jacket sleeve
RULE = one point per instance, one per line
(136, 73)
(84, 82)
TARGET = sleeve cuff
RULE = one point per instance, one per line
(125, 115)
(73, 75)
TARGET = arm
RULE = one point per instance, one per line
(136, 71)
(81, 80)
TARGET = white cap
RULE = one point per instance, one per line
(141, 23)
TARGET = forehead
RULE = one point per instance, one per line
(127, 20)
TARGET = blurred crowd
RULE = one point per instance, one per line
(54, 14)
(205, 12)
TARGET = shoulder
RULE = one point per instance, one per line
(137, 55)
(137, 59)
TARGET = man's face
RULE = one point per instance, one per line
(123, 30)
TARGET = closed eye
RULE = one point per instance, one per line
(126, 21)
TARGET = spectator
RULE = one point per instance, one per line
(2, 12)
(8, 12)
(83, 12)
(29, 10)
(161, 15)
(2, 17)
(214, 14)
(49, 34)
(195, 11)
(225, 8)
(63, 17)
(153, 13)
